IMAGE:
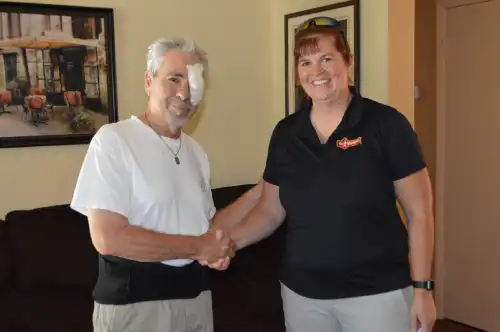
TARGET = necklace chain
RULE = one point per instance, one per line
(176, 158)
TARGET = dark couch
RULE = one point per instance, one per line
(48, 268)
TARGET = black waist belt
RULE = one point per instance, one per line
(123, 281)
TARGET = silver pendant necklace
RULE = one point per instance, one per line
(176, 157)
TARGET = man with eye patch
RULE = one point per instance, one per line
(145, 188)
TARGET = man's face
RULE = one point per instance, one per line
(169, 90)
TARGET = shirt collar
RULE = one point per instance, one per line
(353, 115)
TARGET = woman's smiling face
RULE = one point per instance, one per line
(322, 70)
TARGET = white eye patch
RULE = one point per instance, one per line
(196, 83)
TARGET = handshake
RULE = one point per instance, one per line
(216, 249)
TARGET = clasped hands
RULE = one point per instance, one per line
(216, 249)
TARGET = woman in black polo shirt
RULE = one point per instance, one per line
(335, 169)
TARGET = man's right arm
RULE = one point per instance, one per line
(112, 234)
(103, 193)
(262, 221)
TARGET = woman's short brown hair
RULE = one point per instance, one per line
(306, 42)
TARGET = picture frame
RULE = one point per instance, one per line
(57, 73)
(347, 12)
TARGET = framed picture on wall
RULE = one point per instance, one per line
(347, 13)
(57, 73)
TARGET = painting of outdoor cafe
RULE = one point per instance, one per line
(54, 73)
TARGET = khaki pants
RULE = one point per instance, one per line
(190, 315)
(387, 312)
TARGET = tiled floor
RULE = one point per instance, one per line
(448, 326)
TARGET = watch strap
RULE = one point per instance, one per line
(423, 284)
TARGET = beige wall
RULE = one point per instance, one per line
(401, 57)
(246, 85)
(240, 90)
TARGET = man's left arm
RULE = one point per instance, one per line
(230, 216)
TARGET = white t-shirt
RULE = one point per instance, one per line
(130, 171)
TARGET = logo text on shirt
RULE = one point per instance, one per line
(346, 143)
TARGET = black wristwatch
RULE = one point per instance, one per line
(423, 284)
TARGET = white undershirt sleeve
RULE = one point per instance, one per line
(104, 179)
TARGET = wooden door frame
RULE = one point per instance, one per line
(442, 6)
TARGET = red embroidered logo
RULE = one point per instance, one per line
(345, 143)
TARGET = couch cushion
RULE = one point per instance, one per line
(252, 284)
(7, 320)
(52, 246)
(5, 259)
(226, 195)
(242, 300)
(246, 297)
(8, 315)
(54, 309)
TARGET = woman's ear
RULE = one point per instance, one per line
(351, 61)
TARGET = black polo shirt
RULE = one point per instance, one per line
(345, 236)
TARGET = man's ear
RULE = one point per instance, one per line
(147, 82)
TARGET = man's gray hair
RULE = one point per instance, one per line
(157, 50)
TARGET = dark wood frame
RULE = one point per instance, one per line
(355, 4)
(108, 15)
